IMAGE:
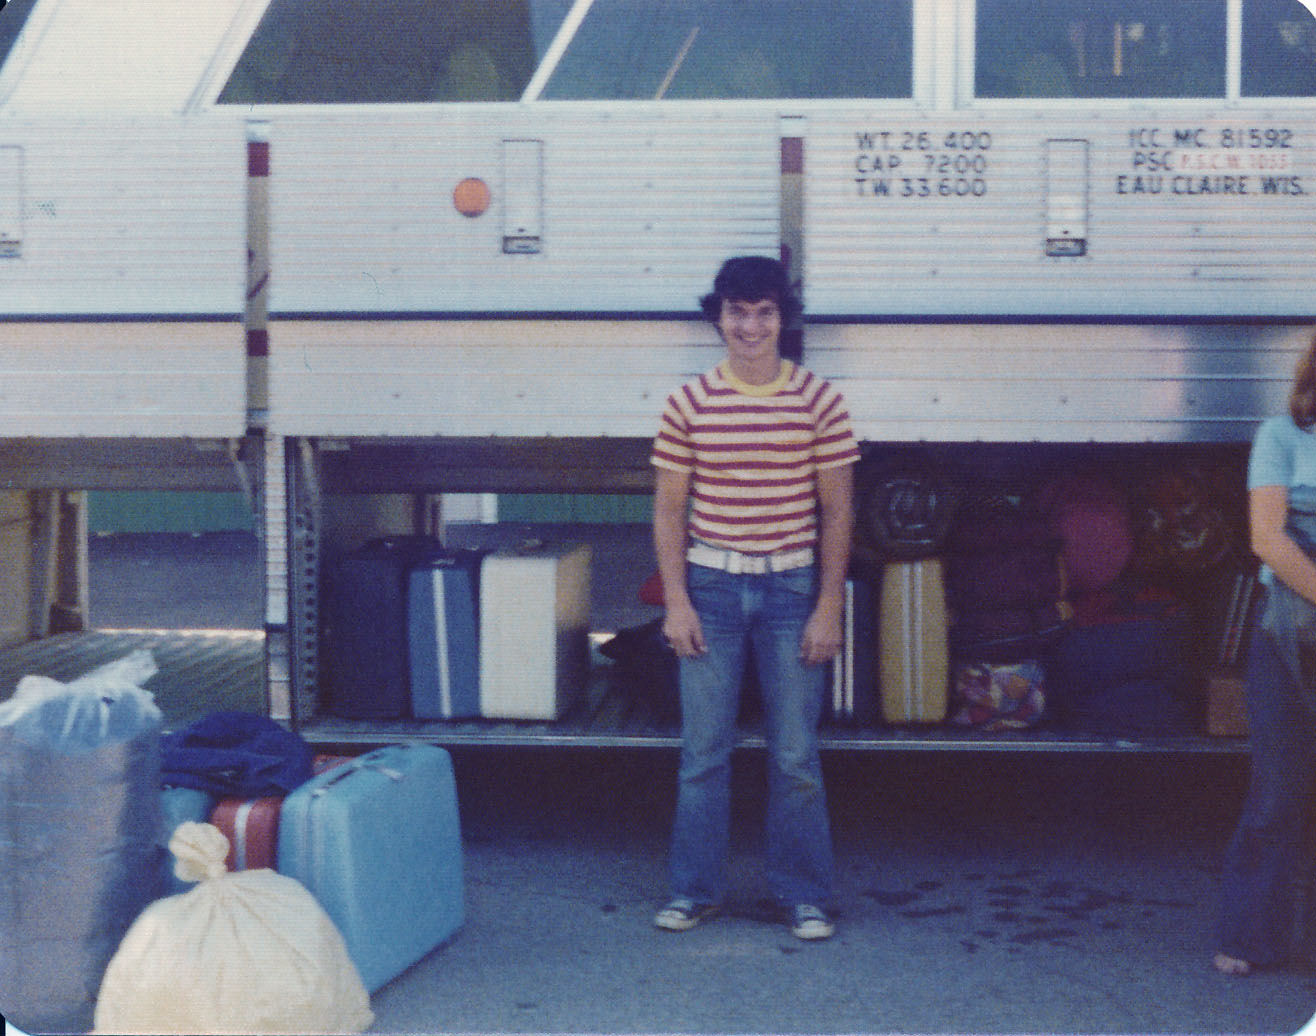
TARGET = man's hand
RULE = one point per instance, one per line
(821, 639)
(683, 632)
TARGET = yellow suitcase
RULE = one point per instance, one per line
(914, 675)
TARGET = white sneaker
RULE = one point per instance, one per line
(811, 922)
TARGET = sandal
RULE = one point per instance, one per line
(682, 914)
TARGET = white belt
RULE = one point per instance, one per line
(736, 563)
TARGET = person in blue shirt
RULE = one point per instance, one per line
(1266, 863)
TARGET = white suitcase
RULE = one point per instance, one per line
(534, 631)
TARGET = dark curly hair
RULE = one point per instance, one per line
(749, 278)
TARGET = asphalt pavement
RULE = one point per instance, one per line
(976, 893)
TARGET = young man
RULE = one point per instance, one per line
(753, 514)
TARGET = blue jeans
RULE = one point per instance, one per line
(1268, 868)
(768, 611)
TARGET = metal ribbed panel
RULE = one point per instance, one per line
(1058, 382)
(893, 225)
(639, 208)
(507, 378)
(63, 380)
(128, 217)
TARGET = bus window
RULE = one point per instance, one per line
(11, 23)
(687, 49)
(1279, 49)
(363, 51)
(1100, 48)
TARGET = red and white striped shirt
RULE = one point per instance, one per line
(753, 452)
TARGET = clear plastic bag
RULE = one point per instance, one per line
(79, 859)
(243, 952)
(104, 706)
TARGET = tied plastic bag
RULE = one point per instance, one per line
(105, 706)
(244, 952)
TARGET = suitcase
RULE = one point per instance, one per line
(534, 631)
(366, 629)
(914, 668)
(854, 671)
(378, 843)
(252, 829)
(443, 635)
(176, 806)
(252, 825)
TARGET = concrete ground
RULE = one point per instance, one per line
(977, 892)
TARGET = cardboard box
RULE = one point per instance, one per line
(1226, 704)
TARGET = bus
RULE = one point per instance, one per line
(354, 258)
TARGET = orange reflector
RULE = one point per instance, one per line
(471, 197)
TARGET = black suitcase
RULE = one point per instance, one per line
(367, 675)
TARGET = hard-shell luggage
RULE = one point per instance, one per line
(534, 631)
(914, 668)
(443, 635)
(366, 629)
(252, 829)
(854, 671)
(377, 840)
(178, 805)
(251, 825)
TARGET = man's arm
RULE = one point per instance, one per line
(670, 506)
(822, 633)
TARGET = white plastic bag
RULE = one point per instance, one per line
(244, 952)
(104, 706)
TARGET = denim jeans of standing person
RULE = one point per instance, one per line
(769, 612)
(1268, 866)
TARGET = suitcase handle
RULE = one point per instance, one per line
(364, 762)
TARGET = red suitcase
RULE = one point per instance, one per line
(252, 829)
(252, 825)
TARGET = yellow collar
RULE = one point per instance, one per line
(746, 389)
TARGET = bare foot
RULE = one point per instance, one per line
(1228, 965)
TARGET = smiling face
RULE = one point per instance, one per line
(751, 330)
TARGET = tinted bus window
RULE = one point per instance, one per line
(686, 49)
(12, 18)
(1279, 49)
(362, 51)
(1100, 48)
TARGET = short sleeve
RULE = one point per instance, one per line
(1271, 460)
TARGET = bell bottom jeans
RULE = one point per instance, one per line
(1267, 884)
(768, 611)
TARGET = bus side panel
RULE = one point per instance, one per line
(1147, 213)
(632, 211)
(122, 279)
(1058, 382)
(552, 377)
(125, 217)
(122, 378)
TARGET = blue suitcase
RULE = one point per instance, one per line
(176, 806)
(378, 843)
(443, 630)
